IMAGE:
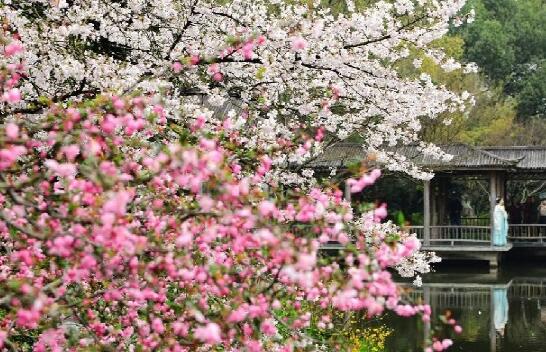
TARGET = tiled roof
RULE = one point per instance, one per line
(464, 157)
(339, 155)
(529, 157)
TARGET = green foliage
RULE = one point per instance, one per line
(532, 97)
(508, 41)
(490, 121)
(340, 6)
(356, 332)
(488, 44)
(399, 218)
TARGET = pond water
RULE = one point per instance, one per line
(505, 311)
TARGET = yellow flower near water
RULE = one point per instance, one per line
(370, 339)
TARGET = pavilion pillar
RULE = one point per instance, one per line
(501, 185)
(492, 202)
(347, 192)
(426, 213)
(426, 298)
(492, 330)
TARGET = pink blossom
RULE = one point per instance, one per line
(411, 245)
(213, 68)
(438, 346)
(446, 343)
(50, 340)
(119, 104)
(71, 151)
(12, 96)
(209, 333)
(238, 315)
(157, 326)
(27, 318)
(298, 44)
(381, 213)
(185, 238)
(306, 261)
(88, 262)
(185, 209)
(266, 236)
(12, 130)
(206, 203)
(260, 40)
(375, 174)
(3, 337)
(267, 208)
(180, 329)
(365, 181)
(405, 310)
(13, 48)
(218, 77)
(320, 134)
(343, 238)
(247, 50)
(117, 204)
(207, 144)
(199, 122)
(61, 170)
(194, 59)
(62, 246)
(458, 329)
(177, 67)
(268, 328)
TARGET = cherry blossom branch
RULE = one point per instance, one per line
(387, 36)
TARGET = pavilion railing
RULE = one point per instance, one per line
(454, 298)
(535, 233)
(474, 221)
(453, 235)
(528, 290)
(419, 231)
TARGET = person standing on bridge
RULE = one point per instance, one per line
(500, 218)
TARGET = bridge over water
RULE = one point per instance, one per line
(475, 241)
(457, 204)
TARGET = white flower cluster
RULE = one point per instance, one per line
(410, 267)
(297, 70)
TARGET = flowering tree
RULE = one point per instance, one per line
(111, 239)
(295, 68)
(133, 217)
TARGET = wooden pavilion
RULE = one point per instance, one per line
(470, 236)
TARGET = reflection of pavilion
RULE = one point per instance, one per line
(449, 225)
(475, 296)
(478, 294)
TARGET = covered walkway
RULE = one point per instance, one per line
(457, 219)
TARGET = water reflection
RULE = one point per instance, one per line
(499, 312)
(500, 309)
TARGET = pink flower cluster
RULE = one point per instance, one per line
(11, 73)
(365, 181)
(440, 345)
(129, 237)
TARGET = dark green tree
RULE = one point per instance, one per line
(508, 41)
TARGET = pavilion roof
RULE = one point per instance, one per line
(529, 157)
(464, 157)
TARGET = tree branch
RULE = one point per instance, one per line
(385, 37)
(26, 231)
